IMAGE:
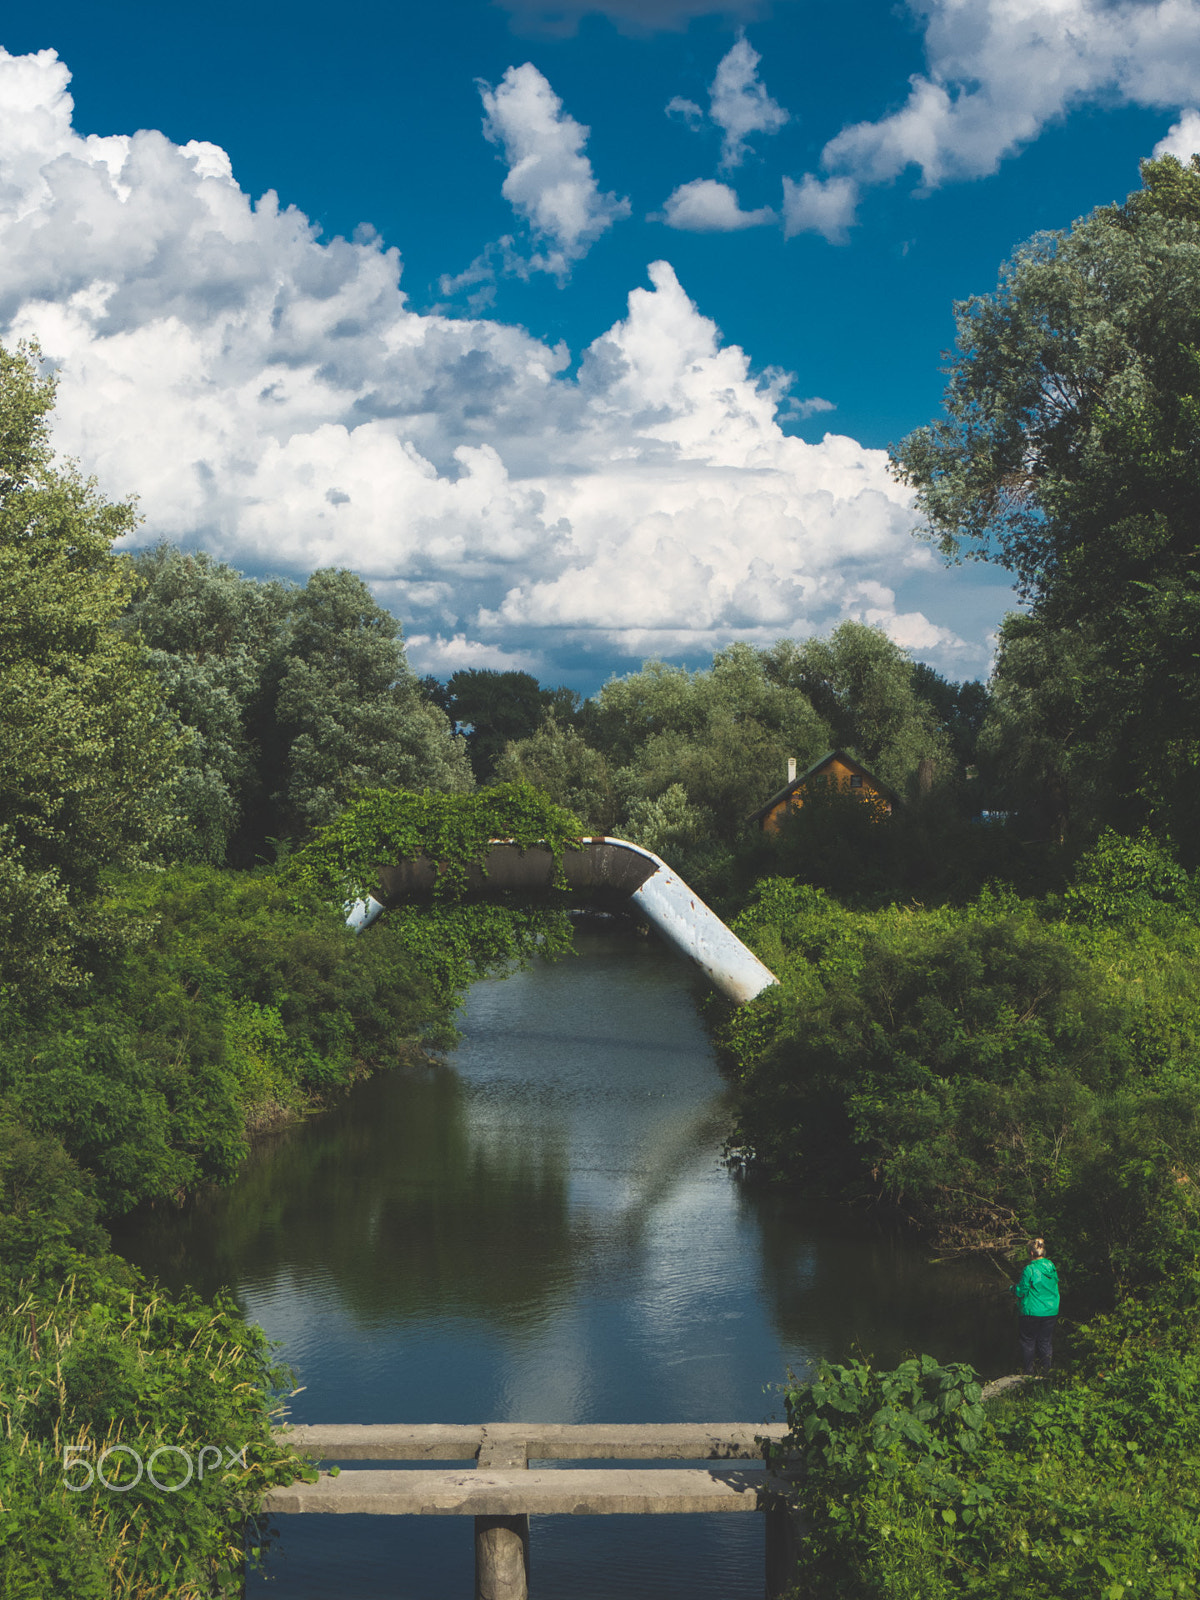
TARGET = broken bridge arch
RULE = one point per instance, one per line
(604, 870)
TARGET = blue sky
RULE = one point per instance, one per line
(530, 467)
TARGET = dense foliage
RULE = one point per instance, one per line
(234, 1010)
(85, 758)
(287, 699)
(996, 1070)
(111, 1365)
(1068, 453)
(492, 708)
(95, 1359)
(911, 1490)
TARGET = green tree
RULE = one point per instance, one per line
(290, 699)
(349, 710)
(863, 686)
(215, 642)
(723, 735)
(496, 708)
(960, 709)
(86, 752)
(559, 761)
(1042, 741)
(1069, 454)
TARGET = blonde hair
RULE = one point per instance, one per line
(1037, 1247)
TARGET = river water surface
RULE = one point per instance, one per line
(542, 1229)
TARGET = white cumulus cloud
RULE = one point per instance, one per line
(739, 104)
(819, 206)
(1182, 138)
(276, 400)
(550, 183)
(997, 72)
(706, 206)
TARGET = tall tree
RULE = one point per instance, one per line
(349, 710)
(558, 761)
(215, 642)
(960, 709)
(86, 751)
(290, 698)
(492, 708)
(863, 686)
(724, 735)
(1070, 454)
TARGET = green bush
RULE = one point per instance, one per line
(48, 1207)
(109, 1363)
(1083, 1489)
(234, 1007)
(993, 1070)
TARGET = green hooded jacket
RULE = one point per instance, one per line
(1037, 1292)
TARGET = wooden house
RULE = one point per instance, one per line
(837, 767)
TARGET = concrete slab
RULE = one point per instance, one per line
(588, 1492)
(542, 1441)
(386, 1441)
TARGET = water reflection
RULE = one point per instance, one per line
(398, 1201)
(845, 1284)
(542, 1229)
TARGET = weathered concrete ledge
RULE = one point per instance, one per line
(581, 1492)
(542, 1441)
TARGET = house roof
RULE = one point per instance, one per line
(846, 759)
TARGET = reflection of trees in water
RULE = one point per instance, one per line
(393, 1199)
(843, 1284)
(670, 1151)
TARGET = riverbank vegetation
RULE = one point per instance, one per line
(987, 1010)
(170, 982)
(1024, 1060)
(913, 1490)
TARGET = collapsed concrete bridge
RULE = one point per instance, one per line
(604, 871)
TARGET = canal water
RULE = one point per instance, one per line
(542, 1229)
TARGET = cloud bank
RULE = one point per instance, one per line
(275, 399)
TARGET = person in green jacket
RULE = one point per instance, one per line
(1037, 1296)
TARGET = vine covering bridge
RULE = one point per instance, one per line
(502, 1490)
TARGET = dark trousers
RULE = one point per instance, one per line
(1036, 1335)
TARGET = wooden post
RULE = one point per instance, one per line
(502, 1543)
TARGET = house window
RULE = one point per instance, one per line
(856, 780)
